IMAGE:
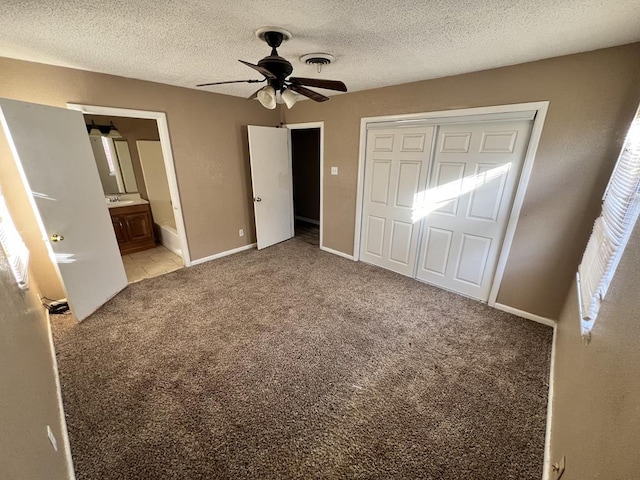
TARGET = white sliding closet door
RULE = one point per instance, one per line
(472, 182)
(395, 176)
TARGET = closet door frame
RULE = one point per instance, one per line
(467, 115)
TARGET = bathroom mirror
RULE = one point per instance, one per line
(113, 160)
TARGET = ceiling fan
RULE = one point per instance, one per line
(276, 69)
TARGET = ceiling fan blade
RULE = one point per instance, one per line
(230, 81)
(317, 82)
(260, 69)
(318, 97)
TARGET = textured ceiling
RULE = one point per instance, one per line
(375, 42)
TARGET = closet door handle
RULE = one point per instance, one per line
(257, 199)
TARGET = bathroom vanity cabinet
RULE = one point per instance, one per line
(134, 228)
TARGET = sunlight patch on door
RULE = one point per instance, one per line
(65, 258)
(435, 198)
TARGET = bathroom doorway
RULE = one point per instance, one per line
(140, 188)
(306, 165)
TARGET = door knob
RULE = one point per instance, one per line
(56, 238)
(257, 199)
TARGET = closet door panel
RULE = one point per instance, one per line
(396, 167)
(473, 177)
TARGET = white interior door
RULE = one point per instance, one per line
(52, 151)
(396, 168)
(272, 184)
(474, 174)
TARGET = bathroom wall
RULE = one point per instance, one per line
(155, 177)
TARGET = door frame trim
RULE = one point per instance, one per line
(306, 126)
(521, 189)
(167, 153)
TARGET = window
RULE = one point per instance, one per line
(13, 246)
(620, 209)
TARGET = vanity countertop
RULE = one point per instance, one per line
(127, 203)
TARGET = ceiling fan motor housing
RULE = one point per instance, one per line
(276, 64)
(279, 66)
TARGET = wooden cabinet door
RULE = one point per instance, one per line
(121, 235)
(138, 226)
(133, 227)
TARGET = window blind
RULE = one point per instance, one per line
(611, 231)
(13, 246)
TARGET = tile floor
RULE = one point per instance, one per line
(150, 263)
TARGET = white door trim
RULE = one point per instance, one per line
(536, 132)
(167, 153)
(320, 125)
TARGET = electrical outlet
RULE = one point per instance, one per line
(241, 232)
(334, 170)
(52, 438)
(557, 469)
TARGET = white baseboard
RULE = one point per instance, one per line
(546, 473)
(523, 314)
(336, 252)
(308, 220)
(223, 254)
(63, 419)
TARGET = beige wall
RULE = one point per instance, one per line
(28, 398)
(132, 129)
(593, 96)
(596, 404)
(208, 137)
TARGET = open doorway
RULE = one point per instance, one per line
(306, 165)
(152, 242)
(134, 180)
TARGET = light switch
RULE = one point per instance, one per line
(334, 170)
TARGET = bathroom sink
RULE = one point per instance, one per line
(124, 203)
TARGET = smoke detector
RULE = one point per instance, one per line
(318, 59)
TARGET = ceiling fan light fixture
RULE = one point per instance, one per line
(267, 97)
(113, 132)
(93, 129)
(289, 98)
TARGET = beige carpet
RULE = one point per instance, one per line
(295, 363)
